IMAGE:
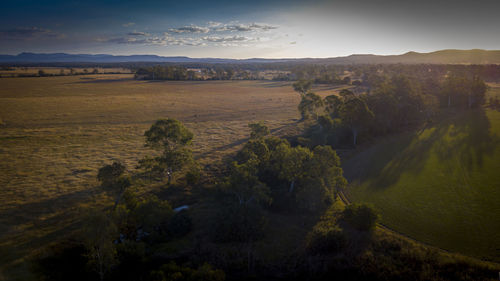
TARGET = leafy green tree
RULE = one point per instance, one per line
(302, 87)
(258, 130)
(173, 139)
(254, 148)
(332, 105)
(168, 134)
(356, 115)
(109, 174)
(322, 179)
(244, 184)
(288, 163)
(309, 105)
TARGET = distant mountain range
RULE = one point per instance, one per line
(475, 56)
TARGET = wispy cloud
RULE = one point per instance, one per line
(227, 39)
(190, 29)
(154, 40)
(27, 33)
(213, 26)
(138, 33)
(245, 27)
(212, 33)
(128, 24)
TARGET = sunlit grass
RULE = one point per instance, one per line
(439, 185)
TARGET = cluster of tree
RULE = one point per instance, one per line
(271, 174)
(394, 104)
(165, 73)
(142, 238)
(212, 72)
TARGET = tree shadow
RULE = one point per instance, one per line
(466, 134)
(471, 138)
(102, 81)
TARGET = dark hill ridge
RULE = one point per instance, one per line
(475, 56)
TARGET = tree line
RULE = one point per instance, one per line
(391, 104)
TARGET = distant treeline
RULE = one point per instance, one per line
(356, 74)
(365, 75)
(44, 73)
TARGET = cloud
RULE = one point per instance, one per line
(246, 27)
(154, 40)
(214, 24)
(128, 24)
(235, 38)
(190, 29)
(27, 33)
(138, 33)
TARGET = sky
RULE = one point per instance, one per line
(247, 28)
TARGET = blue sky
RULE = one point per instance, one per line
(245, 29)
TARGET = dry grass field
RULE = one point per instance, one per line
(56, 132)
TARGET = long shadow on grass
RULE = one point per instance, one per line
(469, 137)
(238, 142)
(467, 133)
(30, 212)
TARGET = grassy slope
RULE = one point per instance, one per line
(440, 185)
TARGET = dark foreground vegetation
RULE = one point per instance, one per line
(140, 236)
(273, 211)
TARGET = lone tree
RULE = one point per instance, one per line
(173, 139)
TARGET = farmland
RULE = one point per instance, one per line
(439, 185)
(56, 132)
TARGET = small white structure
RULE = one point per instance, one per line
(183, 207)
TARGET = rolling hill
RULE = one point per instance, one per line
(475, 56)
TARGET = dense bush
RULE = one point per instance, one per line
(325, 240)
(239, 223)
(360, 216)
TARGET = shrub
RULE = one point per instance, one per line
(360, 216)
(324, 240)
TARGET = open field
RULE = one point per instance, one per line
(440, 185)
(56, 132)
